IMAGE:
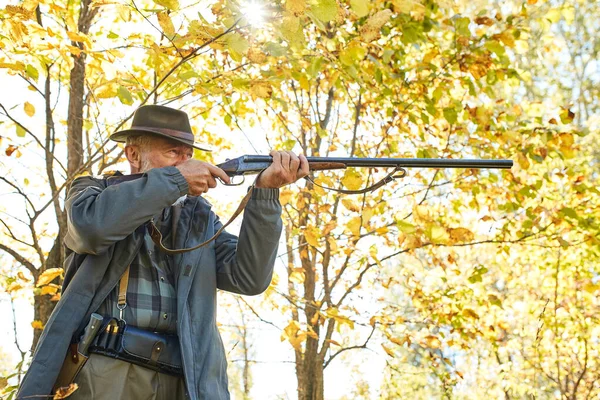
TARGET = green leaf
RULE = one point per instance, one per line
(237, 45)
(112, 35)
(495, 47)
(360, 7)
(227, 119)
(32, 72)
(124, 95)
(406, 227)
(462, 26)
(315, 66)
(276, 50)
(569, 212)
(450, 115)
(325, 10)
(20, 131)
(189, 74)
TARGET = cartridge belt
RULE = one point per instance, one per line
(154, 350)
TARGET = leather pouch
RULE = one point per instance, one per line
(155, 350)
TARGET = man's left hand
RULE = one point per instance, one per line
(286, 168)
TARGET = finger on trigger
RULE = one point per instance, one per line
(219, 173)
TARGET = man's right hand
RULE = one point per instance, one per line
(201, 176)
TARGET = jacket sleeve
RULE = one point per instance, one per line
(98, 216)
(245, 265)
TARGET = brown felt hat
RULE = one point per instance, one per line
(161, 121)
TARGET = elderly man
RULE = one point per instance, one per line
(164, 301)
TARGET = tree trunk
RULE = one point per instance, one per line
(310, 379)
(42, 305)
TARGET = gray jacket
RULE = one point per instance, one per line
(104, 234)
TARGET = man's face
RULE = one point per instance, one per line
(163, 152)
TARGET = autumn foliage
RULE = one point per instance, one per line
(461, 283)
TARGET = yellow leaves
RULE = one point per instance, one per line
(325, 10)
(354, 225)
(166, 24)
(388, 351)
(433, 342)
(50, 289)
(371, 29)
(17, 66)
(438, 234)
(422, 213)
(352, 179)
(19, 12)
(467, 312)
(506, 37)
(14, 286)
(256, 56)
(341, 320)
(37, 324)
(406, 227)
(350, 204)
(354, 53)
(294, 334)
(523, 161)
(64, 392)
(414, 8)
(74, 50)
(237, 45)
(311, 234)
(48, 275)
(461, 235)
(295, 7)
(360, 7)
(77, 37)
(170, 4)
(260, 89)
(285, 196)
(297, 276)
(29, 109)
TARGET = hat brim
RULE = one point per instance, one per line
(121, 137)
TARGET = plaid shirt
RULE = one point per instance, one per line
(151, 292)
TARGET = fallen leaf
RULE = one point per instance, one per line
(64, 392)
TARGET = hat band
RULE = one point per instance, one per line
(177, 134)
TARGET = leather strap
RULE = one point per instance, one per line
(123, 283)
(389, 178)
(157, 236)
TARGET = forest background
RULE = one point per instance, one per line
(444, 284)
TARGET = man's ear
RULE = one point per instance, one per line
(134, 156)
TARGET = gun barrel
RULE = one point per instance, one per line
(401, 162)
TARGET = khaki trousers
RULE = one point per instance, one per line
(105, 378)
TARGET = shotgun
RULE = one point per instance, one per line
(253, 164)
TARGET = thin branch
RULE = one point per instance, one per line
(362, 346)
(19, 258)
